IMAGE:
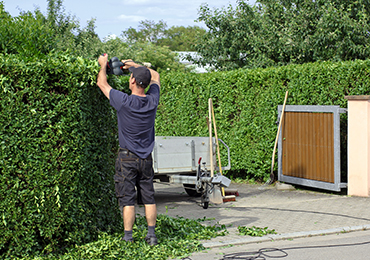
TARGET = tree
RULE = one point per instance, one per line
(149, 31)
(160, 57)
(26, 35)
(177, 38)
(310, 31)
(280, 32)
(34, 34)
(180, 38)
(230, 40)
(68, 36)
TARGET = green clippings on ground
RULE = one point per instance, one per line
(255, 231)
(177, 237)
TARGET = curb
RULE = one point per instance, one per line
(250, 240)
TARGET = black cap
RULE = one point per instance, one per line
(142, 75)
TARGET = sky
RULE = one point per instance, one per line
(114, 16)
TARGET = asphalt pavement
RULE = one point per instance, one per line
(293, 214)
(341, 246)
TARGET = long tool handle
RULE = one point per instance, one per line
(218, 147)
(210, 134)
(277, 138)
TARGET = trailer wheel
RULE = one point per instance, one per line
(190, 190)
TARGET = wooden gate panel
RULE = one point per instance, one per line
(308, 146)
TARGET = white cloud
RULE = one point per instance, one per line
(141, 2)
(109, 37)
(131, 18)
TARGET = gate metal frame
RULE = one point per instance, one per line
(337, 185)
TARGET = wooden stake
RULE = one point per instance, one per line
(210, 134)
(277, 138)
(218, 147)
(212, 117)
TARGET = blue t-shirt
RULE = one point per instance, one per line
(136, 116)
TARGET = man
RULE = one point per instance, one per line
(136, 116)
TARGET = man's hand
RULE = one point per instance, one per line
(129, 63)
(103, 60)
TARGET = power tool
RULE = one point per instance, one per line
(115, 66)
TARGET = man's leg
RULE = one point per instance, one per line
(151, 214)
(128, 222)
(147, 192)
(125, 180)
(151, 218)
(128, 217)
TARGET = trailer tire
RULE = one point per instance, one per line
(190, 190)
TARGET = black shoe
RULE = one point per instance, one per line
(152, 241)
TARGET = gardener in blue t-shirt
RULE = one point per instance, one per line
(134, 165)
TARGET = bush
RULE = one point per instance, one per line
(245, 104)
(57, 151)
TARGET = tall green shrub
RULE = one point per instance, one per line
(245, 104)
(57, 151)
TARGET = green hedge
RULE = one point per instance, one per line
(59, 137)
(246, 101)
(57, 152)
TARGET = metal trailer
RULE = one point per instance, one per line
(186, 160)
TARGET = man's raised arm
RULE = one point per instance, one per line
(155, 79)
(102, 75)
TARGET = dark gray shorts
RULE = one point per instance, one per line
(131, 172)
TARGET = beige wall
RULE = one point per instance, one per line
(358, 145)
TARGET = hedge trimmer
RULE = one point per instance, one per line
(115, 66)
